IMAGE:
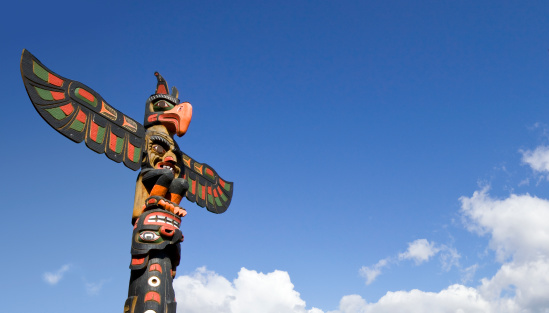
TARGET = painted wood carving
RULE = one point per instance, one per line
(167, 174)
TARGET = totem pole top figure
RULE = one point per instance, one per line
(81, 114)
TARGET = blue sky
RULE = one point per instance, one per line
(376, 149)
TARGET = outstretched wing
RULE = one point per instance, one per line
(206, 188)
(79, 113)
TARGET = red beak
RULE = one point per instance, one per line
(177, 120)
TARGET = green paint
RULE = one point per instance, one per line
(100, 134)
(210, 176)
(57, 113)
(190, 181)
(199, 187)
(40, 72)
(227, 187)
(119, 145)
(44, 94)
(218, 202)
(136, 154)
(210, 199)
(77, 125)
(223, 197)
(159, 240)
(157, 108)
(92, 103)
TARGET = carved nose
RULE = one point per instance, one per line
(168, 232)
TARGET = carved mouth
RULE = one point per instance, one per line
(170, 165)
(162, 219)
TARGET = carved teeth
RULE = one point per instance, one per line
(169, 168)
(163, 219)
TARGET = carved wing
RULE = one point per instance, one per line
(80, 113)
(206, 188)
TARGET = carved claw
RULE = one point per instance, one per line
(154, 202)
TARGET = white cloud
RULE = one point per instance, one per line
(206, 291)
(468, 273)
(94, 288)
(420, 250)
(449, 257)
(454, 299)
(372, 272)
(518, 226)
(54, 278)
(537, 159)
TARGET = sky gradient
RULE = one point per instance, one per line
(385, 155)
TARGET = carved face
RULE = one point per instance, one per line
(155, 230)
(169, 224)
(164, 110)
(162, 152)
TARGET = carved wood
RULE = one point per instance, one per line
(167, 173)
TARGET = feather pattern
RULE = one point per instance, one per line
(81, 114)
(206, 188)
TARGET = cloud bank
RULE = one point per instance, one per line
(205, 291)
(518, 231)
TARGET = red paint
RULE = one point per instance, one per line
(222, 183)
(54, 80)
(146, 222)
(137, 261)
(194, 187)
(81, 117)
(152, 296)
(203, 192)
(209, 190)
(161, 90)
(152, 118)
(67, 109)
(93, 131)
(215, 193)
(112, 142)
(57, 95)
(130, 151)
(86, 95)
(167, 231)
(155, 267)
(209, 172)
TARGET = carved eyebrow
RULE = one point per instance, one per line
(160, 140)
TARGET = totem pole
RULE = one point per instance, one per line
(167, 174)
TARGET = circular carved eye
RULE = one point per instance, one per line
(159, 149)
(154, 281)
(148, 236)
